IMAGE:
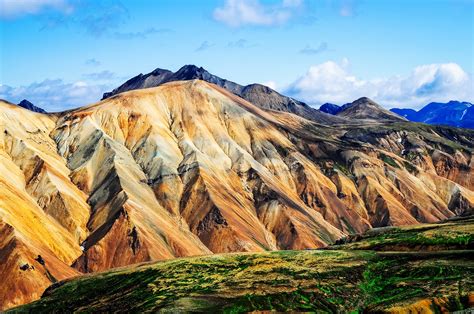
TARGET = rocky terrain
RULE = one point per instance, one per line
(189, 168)
(340, 280)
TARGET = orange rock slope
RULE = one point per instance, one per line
(189, 169)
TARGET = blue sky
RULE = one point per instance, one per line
(61, 54)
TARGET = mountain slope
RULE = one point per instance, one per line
(41, 211)
(319, 281)
(260, 95)
(189, 168)
(454, 113)
(365, 108)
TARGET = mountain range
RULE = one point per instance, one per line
(452, 113)
(183, 164)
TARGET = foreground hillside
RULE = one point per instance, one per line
(188, 168)
(316, 280)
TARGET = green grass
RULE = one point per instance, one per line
(453, 235)
(389, 160)
(323, 281)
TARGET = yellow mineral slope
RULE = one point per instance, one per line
(33, 219)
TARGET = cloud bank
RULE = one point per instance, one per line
(55, 95)
(333, 82)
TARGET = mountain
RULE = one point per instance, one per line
(188, 168)
(330, 108)
(342, 279)
(453, 113)
(362, 108)
(28, 105)
(260, 95)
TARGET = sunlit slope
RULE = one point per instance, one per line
(41, 211)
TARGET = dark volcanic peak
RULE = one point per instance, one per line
(260, 95)
(28, 105)
(152, 79)
(191, 72)
(366, 108)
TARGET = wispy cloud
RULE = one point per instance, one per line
(93, 62)
(141, 34)
(204, 46)
(333, 82)
(236, 13)
(241, 43)
(100, 76)
(97, 18)
(308, 50)
(103, 16)
(348, 8)
(18, 8)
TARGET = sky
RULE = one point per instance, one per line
(61, 54)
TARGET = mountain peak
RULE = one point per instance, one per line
(330, 108)
(366, 108)
(191, 71)
(28, 105)
(364, 101)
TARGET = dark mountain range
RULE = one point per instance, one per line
(453, 113)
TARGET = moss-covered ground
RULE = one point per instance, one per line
(342, 280)
(456, 234)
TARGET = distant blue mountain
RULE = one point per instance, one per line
(330, 108)
(453, 113)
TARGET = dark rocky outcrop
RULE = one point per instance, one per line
(28, 105)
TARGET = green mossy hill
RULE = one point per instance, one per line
(455, 234)
(320, 280)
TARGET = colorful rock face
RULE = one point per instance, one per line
(189, 168)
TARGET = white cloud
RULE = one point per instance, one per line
(15, 8)
(236, 13)
(333, 82)
(271, 84)
(55, 95)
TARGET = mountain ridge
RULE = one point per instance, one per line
(260, 95)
